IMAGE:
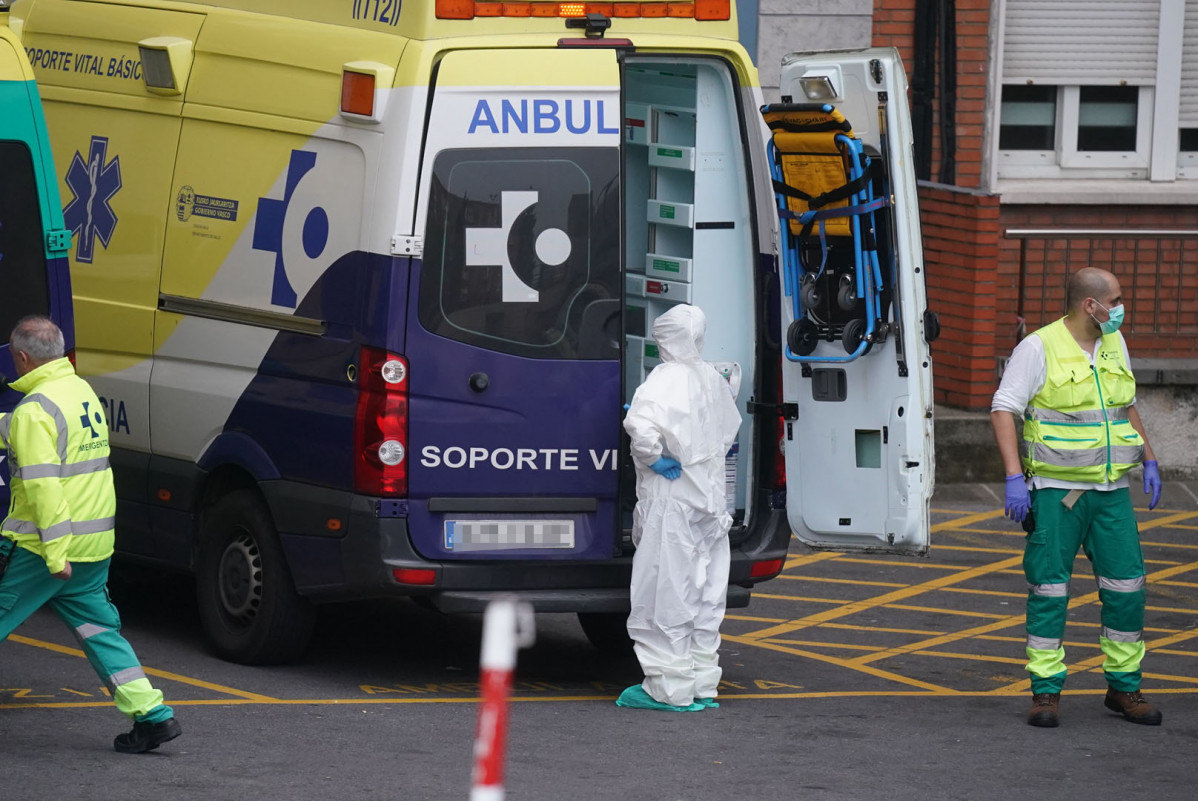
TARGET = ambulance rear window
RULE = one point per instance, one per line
(24, 286)
(521, 252)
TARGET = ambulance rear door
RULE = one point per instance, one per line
(514, 318)
(33, 245)
(858, 444)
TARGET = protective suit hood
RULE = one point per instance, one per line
(679, 334)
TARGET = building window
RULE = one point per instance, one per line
(1087, 95)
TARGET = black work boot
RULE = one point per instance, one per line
(1132, 706)
(1044, 710)
(147, 736)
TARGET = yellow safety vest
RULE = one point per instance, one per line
(63, 504)
(1077, 428)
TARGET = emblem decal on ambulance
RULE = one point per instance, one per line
(490, 246)
(268, 228)
(93, 183)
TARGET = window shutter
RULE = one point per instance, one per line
(1189, 68)
(1081, 42)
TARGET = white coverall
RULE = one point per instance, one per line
(685, 411)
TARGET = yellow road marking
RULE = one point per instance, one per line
(882, 674)
(825, 580)
(854, 607)
(162, 674)
(807, 559)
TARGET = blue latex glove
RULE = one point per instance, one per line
(665, 466)
(1019, 503)
(1152, 482)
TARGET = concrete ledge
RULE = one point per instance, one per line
(1165, 372)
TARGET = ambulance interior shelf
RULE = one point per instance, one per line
(834, 225)
(683, 241)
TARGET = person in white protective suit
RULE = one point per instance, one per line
(681, 421)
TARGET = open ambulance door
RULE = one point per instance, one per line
(856, 364)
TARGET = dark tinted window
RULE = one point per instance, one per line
(521, 253)
(23, 285)
(1029, 118)
(1106, 118)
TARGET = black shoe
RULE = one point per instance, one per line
(1044, 710)
(147, 736)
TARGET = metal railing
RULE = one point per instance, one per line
(1157, 268)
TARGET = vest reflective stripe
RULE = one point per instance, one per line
(1077, 427)
(60, 420)
(1042, 643)
(1093, 417)
(1050, 590)
(125, 676)
(62, 529)
(1122, 636)
(1090, 457)
(88, 630)
(1121, 585)
(35, 471)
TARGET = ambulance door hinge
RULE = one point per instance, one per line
(788, 411)
(410, 245)
(57, 241)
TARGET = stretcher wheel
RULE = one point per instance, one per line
(846, 295)
(802, 336)
(810, 294)
(854, 331)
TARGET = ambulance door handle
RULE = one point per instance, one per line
(479, 382)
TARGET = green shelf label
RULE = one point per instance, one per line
(667, 266)
(666, 212)
(651, 351)
(669, 153)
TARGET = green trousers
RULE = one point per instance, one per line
(82, 603)
(1103, 524)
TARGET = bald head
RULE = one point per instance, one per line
(1089, 282)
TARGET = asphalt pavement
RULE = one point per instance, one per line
(849, 677)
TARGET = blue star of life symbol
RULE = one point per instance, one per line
(86, 419)
(268, 228)
(93, 183)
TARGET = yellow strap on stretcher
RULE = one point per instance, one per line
(813, 162)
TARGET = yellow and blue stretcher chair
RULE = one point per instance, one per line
(822, 183)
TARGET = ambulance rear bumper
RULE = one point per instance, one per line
(372, 556)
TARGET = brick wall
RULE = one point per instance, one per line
(961, 249)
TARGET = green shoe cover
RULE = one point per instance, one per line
(710, 703)
(635, 697)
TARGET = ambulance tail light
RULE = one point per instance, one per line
(381, 424)
(685, 9)
(765, 570)
(357, 93)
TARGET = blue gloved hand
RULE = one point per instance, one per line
(1152, 482)
(1019, 503)
(665, 466)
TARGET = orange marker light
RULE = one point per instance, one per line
(332, 524)
(455, 9)
(713, 9)
(357, 93)
(572, 10)
(488, 9)
(164, 495)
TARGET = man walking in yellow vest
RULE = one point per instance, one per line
(58, 534)
(1071, 384)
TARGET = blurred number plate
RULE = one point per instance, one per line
(501, 535)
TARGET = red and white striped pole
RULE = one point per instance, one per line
(507, 627)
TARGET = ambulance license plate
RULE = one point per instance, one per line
(503, 535)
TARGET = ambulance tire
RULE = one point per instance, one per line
(248, 605)
(607, 631)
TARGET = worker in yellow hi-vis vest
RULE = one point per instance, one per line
(1072, 385)
(58, 534)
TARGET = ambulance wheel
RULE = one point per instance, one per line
(854, 331)
(810, 294)
(607, 631)
(846, 294)
(802, 337)
(248, 605)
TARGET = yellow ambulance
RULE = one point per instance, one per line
(366, 284)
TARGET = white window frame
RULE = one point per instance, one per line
(1156, 156)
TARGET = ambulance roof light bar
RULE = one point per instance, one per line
(595, 24)
(682, 9)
